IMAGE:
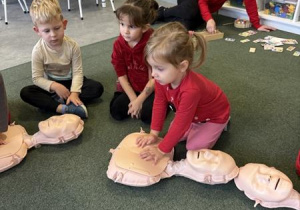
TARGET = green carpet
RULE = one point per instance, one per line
(264, 92)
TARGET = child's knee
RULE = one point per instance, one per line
(146, 116)
(24, 93)
(117, 112)
(200, 145)
(99, 90)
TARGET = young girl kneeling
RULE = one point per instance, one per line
(134, 95)
(202, 109)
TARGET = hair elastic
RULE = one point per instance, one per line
(191, 33)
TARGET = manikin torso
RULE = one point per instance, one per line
(15, 142)
(205, 166)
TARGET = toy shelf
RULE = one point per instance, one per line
(292, 26)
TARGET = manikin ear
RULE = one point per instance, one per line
(65, 22)
(183, 66)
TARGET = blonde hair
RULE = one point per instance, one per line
(44, 11)
(140, 12)
(173, 43)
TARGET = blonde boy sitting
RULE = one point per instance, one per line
(59, 84)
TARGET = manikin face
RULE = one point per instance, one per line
(52, 32)
(132, 34)
(263, 183)
(59, 126)
(165, 73)
(211, 162)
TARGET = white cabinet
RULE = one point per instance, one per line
(288, 25)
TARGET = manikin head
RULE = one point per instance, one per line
(216, 166)
(63, 127)
(263, 184)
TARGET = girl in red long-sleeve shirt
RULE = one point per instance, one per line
(202, 109)
(134, 93)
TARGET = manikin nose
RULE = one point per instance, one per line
(265, 178)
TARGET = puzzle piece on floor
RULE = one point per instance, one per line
(209, 37)
(277, 49)
(290, 48)
(252, 49)
(229, 39)
(247, 33)
(296, 53)
(245, 40)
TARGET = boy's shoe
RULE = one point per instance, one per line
(80, 110)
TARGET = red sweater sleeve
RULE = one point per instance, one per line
(160, 105)
(207, 7)
(117, 59)
(251, 9)
(183, 118)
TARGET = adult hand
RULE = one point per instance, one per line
(74, 98)
(144, 140)
(211, 26)
(266, 28)
(152, 153)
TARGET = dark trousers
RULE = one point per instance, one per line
(4, 119)
(42, 99)
(186, 12)
(119, 107)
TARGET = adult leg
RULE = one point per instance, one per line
(39, 98)
(119, 106)
(186, 12)
(146, 113)
(203, 135)
(186, 9)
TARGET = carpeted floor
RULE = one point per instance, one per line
(264, 92)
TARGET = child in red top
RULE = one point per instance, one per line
(207, 7)
(193, 13)
(202, 109)
(134, 95)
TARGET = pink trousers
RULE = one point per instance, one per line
(203, 135)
